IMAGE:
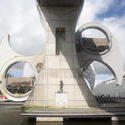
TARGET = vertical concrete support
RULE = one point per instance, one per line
(62, 67)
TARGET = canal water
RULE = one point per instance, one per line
(9, 116)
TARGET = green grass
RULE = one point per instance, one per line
(50, 108)
(32, 107)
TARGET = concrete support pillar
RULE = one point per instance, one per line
(60, 23)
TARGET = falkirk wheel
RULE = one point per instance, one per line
(61, 68)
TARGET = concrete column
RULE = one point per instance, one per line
(62, 67)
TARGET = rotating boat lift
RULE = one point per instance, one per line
(63, 59)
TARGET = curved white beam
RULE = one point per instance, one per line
(9, 57)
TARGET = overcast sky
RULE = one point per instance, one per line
(21, 20)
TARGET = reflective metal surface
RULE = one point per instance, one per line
(20, 78)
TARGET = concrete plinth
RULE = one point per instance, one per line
(49, 119)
